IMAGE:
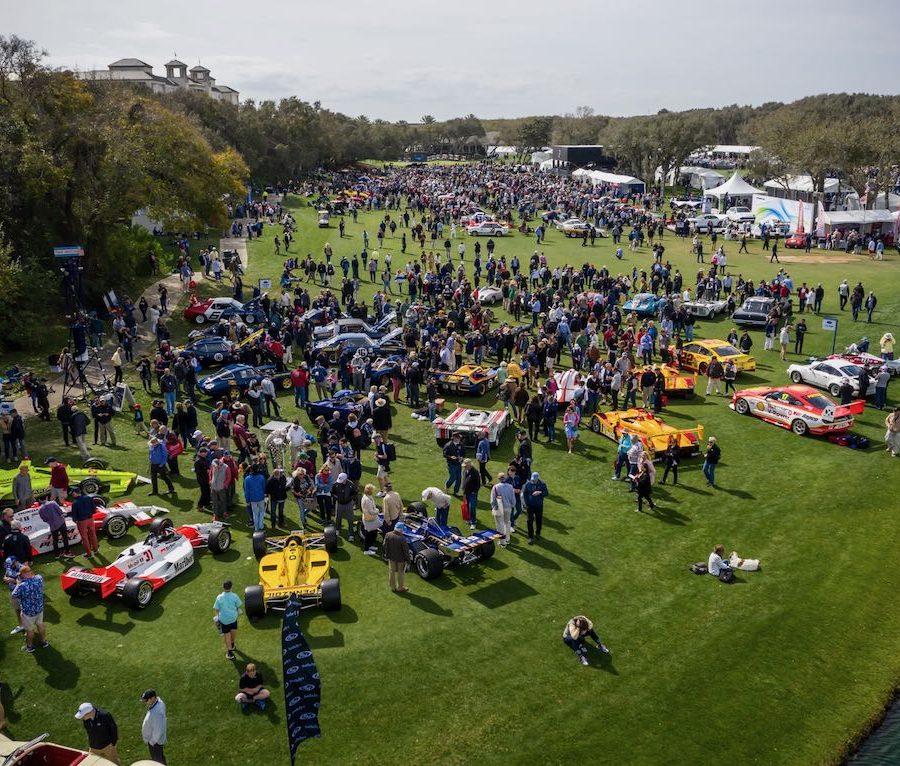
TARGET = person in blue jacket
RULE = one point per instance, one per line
(255, 495)
(534, 493)
(159, 466)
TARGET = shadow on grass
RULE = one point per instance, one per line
(601, 661)
(341, 554)
(346, 615)
(503, 592)
(529, 555)
(335, 640)
(61, 672)
(8, 699)
(90, 620)
(668, 514)
(743, 494)
(557, 525)
(426, 604)
(557, 549)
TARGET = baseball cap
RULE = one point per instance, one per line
(50, 460)
(149, 694)
(342, 477)
(83, 709)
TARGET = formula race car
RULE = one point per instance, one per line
(801, 409)
(471, 424)
(214, 309)
(830, 374)
(343, 402)
(145, 567)
(705, 308)
(697, 354)
(468, 379)
(233, 380)
(112, 521)
(650, 429)
(676, 382)
(433, 548)
(93, 479)
(642, 304)
(295, 566)
(333, 348)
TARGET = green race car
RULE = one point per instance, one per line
(92, 479)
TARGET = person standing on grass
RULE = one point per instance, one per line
(643, 484)
(454, 452)
(154, 726)
(784, 339)
(714, 374)
(255, 496)
(52, 515)
(710, 460)
(82, 514)
(396, 551)
(577, 630)
(503, 500)
(483, 455)
(159, 466)
(11, 570)
(227, 607)
(892, 434)
(570, 426)
(671, 461)
(344, 494)
(276, 491)
(534, 493)
(471, 483)
(23, 492)
(101, 730)
(370, 521)
(729, 375)
(30, 594)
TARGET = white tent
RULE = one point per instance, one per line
(733, 187)
(539, 157)
(621, 182)
(801, 184)
(501, 151)
(858, 217)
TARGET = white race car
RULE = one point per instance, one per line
(829, 374)
(145, 567)
(112, 521)
(471, 424)
(489, 294)
(488, 229)
(349, 324)
(705, 308)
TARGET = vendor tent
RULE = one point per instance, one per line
(626, 184)
(804, 184)
(733, 187)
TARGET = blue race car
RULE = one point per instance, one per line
(343, 402)
(642, 304)
(383, 368)
(235, 379)
(333, 348)
(250, 312)
(433, 548)
(211, 351)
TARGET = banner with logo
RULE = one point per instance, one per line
(302, 690)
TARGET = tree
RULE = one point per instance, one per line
(533, 134)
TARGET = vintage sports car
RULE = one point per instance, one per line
(697, 354)
(650, 429)
(489, 294)
(433, 548)
(210, 351)
(93, 479)
(294, 566)
(39, 751)
(234, 380)
(384, 368)
(471, 424)
(468, 379)
(705, 308)
(343, 402)
(676, 382)
(145, 567)
(573, 227)
(214, 309)
(754, 312)
(352, 325)
(112, 521)
(642, 304)
(830, 374)
(333, 348)
(488, 229)
(802, 409)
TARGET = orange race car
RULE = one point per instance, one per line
(649, 428)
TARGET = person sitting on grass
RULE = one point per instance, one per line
(716, 563)
(578, 629)
(251, 690)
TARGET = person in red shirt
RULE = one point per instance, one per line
(59, 480)
(300, 382)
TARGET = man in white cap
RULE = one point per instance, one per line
(441, 502)
(344, 495)
(101, 729)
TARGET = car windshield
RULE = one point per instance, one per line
(755, 306)
(817, 400)
(726, 350)
(850, 369)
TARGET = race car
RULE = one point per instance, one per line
(214, 309)
(333, 348)
(830, 374)
(642, 304)
(697, 354)
(343, 402)
(295, 566)
(566, 383)
(705, 307)
(802, 409)
(234, 380)
(93, 479)
(755, 311)
(433, 548)
(488, 295)
(471, 424)
(468, 379)
(384, 368)
(210, 351)
(676, 383)
(573, 227)
(352, 325)
(871, 362)
(650, 429)
(488, 229)
(112, 521)
(140, 570)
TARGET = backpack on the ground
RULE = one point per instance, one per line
(699, 568)
(726, 575)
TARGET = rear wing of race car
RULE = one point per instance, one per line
(687, 439)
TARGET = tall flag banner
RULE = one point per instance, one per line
(302, 689)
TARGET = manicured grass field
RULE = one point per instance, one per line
(784, 667)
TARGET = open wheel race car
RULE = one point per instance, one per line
(93, 479)
(650, 429)
(112, 521)
(145, 567)
(295, 566)
(433, 548)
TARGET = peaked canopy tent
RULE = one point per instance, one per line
(733, 187)
(625, 184)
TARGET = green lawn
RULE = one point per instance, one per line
(783, 667)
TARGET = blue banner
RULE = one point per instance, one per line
(302, 690)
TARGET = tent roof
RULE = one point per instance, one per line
(804, 184)
(858, 217)
(733, 187)
(600, 176)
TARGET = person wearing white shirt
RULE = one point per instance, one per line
(716, 563)
(441, 501)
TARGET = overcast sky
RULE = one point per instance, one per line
(401, 59)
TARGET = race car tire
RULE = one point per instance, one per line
(95, 462)
(595, 425)
(100, 501)
(159, 526)
(482, 389)
(74, 589)
(200, 319)
(90, 486)
(219, 541)
(331, 595)
(487, 550)
(115, 526)
(742, 407)
(418, 508)
(799, 427)
(796, 377)
(254, 602)
(331, 539)
(429, 564)
(137, 593)
(834, 389)
(258, 541)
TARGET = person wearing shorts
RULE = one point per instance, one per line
(30, 593)
(227, 607)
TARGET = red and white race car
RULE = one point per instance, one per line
(802, 409)
(214, 309)
(112, 521)
(145, 567)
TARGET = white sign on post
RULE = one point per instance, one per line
(829, 324)
(265, 284)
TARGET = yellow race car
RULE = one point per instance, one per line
(676, 382)
(295, 566)
(697, 354)
(650, 429)
(468, 379)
